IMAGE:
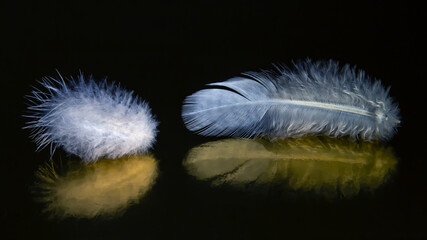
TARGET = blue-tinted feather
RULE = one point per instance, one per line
(313, 98)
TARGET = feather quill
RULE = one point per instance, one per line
(90, 119)
(313, 98)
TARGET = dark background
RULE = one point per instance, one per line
(165, 51)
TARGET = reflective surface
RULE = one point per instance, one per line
(103, 188)
(165, 51)
(327, 166)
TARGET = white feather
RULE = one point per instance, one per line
(313, 98)
(90, 119)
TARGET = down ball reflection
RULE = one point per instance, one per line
(327, 166)
(103, 188)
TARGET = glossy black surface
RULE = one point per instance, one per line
(166, 51)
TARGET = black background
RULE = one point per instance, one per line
(165, 51)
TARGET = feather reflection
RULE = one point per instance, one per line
(103, 188)
(328, 166)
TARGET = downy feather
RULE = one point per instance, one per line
(313, 98)
(90, 119)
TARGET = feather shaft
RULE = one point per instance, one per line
(320, 105)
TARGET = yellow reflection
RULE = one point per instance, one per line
(106, 187)
(328, 166)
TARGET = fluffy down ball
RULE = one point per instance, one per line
(90, 119)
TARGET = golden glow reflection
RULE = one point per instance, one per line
(328, 166)
(103, 188)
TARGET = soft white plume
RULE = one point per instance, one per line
(90, 119)
(313, 98)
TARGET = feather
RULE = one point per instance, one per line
(313, 98)
(90, 119)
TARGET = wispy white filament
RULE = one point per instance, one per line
(90, 119)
